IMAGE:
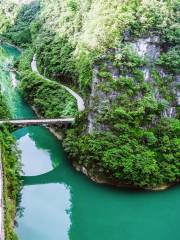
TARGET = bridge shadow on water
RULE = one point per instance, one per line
(46, 178)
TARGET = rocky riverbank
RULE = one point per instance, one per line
(98, 177)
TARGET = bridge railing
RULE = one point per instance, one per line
(39, 121)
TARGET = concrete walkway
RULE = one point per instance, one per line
(79, 100)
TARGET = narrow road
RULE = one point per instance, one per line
(80, 101)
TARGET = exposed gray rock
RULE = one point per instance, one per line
(147, 73)
(113, 70)
(99, 99)
(147, 47)
(169, 112)
(176, 89)
(91, 117)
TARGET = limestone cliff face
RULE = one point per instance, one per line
(148, 48)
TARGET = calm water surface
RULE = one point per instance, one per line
(61, 204)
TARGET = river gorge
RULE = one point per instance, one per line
(60, 203)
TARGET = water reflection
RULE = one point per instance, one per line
(47, 212)
(47, 207)
(40, 153)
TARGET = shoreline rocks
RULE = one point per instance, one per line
(108, 182)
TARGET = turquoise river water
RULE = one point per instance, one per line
(61, 204)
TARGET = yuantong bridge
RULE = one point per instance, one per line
(48, 122)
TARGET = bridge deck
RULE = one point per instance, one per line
(37, 121)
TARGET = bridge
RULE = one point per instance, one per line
(28, 122)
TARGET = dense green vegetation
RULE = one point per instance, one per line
(8, 12)
(170, 60)
(12, 183)
(67, 45)
(49, 98)
(138, 143)
(11, 172)
(61, 65)
(143, 158)
(140, 146)
(4, 113)
(16, 22)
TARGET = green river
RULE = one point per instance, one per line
(61, 204)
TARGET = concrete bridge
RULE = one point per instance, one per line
(28, 122)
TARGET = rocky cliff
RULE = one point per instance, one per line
(164, 85)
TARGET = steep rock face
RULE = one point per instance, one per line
(164, 91)
(176, 89)
(148, 47)
(99, 99)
